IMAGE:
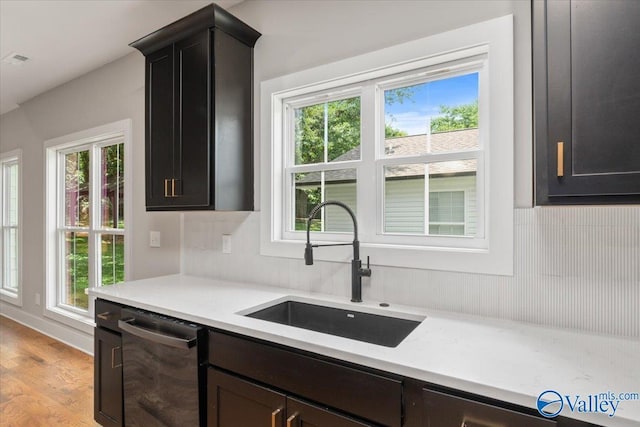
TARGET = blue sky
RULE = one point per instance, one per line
(412, 115)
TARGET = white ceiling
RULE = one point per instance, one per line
(65, 39)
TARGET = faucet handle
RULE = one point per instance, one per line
(366, 272)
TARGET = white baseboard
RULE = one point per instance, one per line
(65, 334)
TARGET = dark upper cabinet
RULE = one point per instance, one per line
(586, 101)
(199, 111)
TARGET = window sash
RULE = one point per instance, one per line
(490, 254)
(10, 225)
(94, 230)
(370, 194)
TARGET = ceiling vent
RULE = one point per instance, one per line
(15, 59)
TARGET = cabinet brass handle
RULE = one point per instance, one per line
(560, 159)
(104, 316)
(274, 415)
(291, 419)
(113, 358)
(173, 187)
(166, 188)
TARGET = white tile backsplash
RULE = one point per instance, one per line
(574, 267)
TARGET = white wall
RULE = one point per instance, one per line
(574, 267)
(297, 35)
(113, 92)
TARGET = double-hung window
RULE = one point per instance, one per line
(10, 227)
(87, 204)
(419, 146)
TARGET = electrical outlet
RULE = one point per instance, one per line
(37, 299)
(154, 239)
(226, 243)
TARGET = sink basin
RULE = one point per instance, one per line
(372, 328)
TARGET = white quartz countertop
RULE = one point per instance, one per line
(505, 360)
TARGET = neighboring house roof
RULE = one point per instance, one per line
(442, 142)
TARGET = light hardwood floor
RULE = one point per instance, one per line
(42, 381)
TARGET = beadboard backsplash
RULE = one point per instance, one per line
(574, 267)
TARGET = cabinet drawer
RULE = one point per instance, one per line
(444, 410)
(364, 394)
(107, 314)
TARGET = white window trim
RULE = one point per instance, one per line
(14, 298)
(495, 37)
(119, 129)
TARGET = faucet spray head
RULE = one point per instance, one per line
(308, 254)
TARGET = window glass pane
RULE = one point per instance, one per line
(76, 189)
(446, 206)
(10, 259)
(446, 212)
(112, 258)
(76, 269)
(432, 117)
(446, 230)
(404, 188)
(11, 177)
(328, 132)
(112, 186)
(313, 188)
(451, 187)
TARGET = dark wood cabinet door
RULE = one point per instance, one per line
(302, 414)
(444, 410)
(366, 395)
(108, 403)
(159, 127)
(587, 101)
(192, 138)
(232, 174)
(234, 402)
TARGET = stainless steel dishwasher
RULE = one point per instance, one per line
(164, 370)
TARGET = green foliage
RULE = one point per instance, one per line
(459, 117)
(77, 265)
(391, 132)
(343, 130)
(77, 182)
(343, 127)
(399, 95)
(301, 224)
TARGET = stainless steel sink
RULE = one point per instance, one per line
(372, 328)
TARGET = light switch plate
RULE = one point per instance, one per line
(154, 239)
(226, 243)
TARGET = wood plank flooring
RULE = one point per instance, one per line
(42, 381)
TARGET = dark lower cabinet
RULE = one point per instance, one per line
(236, 402)
(255, 383)
(107, 389)
(445, 410)
(359, 393)
(301, 414)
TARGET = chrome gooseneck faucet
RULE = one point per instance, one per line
(357, 272)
